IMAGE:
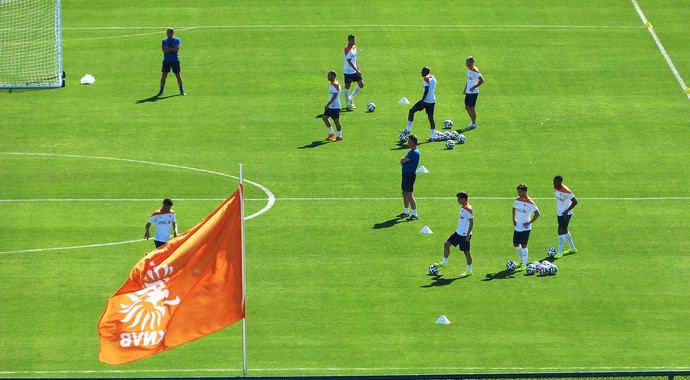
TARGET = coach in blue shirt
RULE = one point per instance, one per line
(409, 174)
(171, 61)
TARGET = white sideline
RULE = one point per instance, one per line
(661, 48)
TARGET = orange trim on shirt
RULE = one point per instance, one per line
(563, 189)
(475, 69)
(159, 212)
(528, 200)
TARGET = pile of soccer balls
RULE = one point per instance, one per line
(544, 268)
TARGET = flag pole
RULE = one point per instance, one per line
(244, 281)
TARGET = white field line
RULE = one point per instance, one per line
(415, 370)
(275, 199)
(649, 27)
(158, 29)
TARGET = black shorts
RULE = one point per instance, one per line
(420, 105)
(333, 113)
(471, 99)
(458, 240)
(408, 182)
(174, 66)
(521, 237)
(564, 220)
(349, 78)
(159, 243)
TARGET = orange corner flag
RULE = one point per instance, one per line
(184, 290)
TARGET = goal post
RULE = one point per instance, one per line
(30, 44)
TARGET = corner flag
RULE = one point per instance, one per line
(186, 289)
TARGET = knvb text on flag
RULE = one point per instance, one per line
(184, 290)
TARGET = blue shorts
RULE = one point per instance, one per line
(564, 220)
(471, 99)
(333, 113)
(521, 237)
(420, 105)
(457, 240)
(174, 66)
(349, 78)
(408, 182)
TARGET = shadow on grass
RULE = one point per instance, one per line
(314, 144)
(439, 280)
(502, 275)
(156, 98)
(387, 223)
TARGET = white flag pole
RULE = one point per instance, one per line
(244, 283)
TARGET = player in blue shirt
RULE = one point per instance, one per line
(171, 61)
(409, 174)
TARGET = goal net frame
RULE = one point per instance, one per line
(31, 44)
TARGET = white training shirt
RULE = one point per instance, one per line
(430, 81)
(163, 222)
(334, 88)
(351, 54)
(473, 76)
(563, 198)
(523, 213)
(466, 213)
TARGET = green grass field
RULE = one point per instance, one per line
(337, 285)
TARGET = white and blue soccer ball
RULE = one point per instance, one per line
(511, 265)
(551, 252)
(403, 137)
(553, 269)
(448, 124)
(450, 144)
(433, 270)
(531, 269)
(544, 270)
(461, 139)
(371, 107)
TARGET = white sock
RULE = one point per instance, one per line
(414, 211)
(347, 97)
(469, 268)
(524, 256)
(569, 239)
(330, 130)
(340, 134)
(407, 210)
(355, 91)
(433, 133)
(445, 261)
(561, 240)
(409, 126)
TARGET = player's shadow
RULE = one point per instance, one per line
(319, 116)
(502, 275)
(401, 146)
(387, 223)
(314, 144)
(439, 280)
(155, 98)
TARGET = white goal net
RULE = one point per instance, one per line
(30, 44)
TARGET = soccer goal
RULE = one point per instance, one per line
(30, 44)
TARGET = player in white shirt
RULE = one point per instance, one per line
(525, 212)
(462, 235)
(427, 103)
(471, 91)
(164, 219)
(565, 202)
(351, 72)
(332, 108)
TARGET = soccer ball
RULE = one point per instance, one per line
(371, 107)
(403, 137)
(461, 139)
(544, 270)
(531, 269)
(511, 265)
(450, 144)
(551, 252)
(448, 124)
(553, 269)
(433, 270)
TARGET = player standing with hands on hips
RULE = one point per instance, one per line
(171, 61)
(525, 212)
(409, 175)
(462, 235)
(471, 91)
(565, 202)
(332, 108)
